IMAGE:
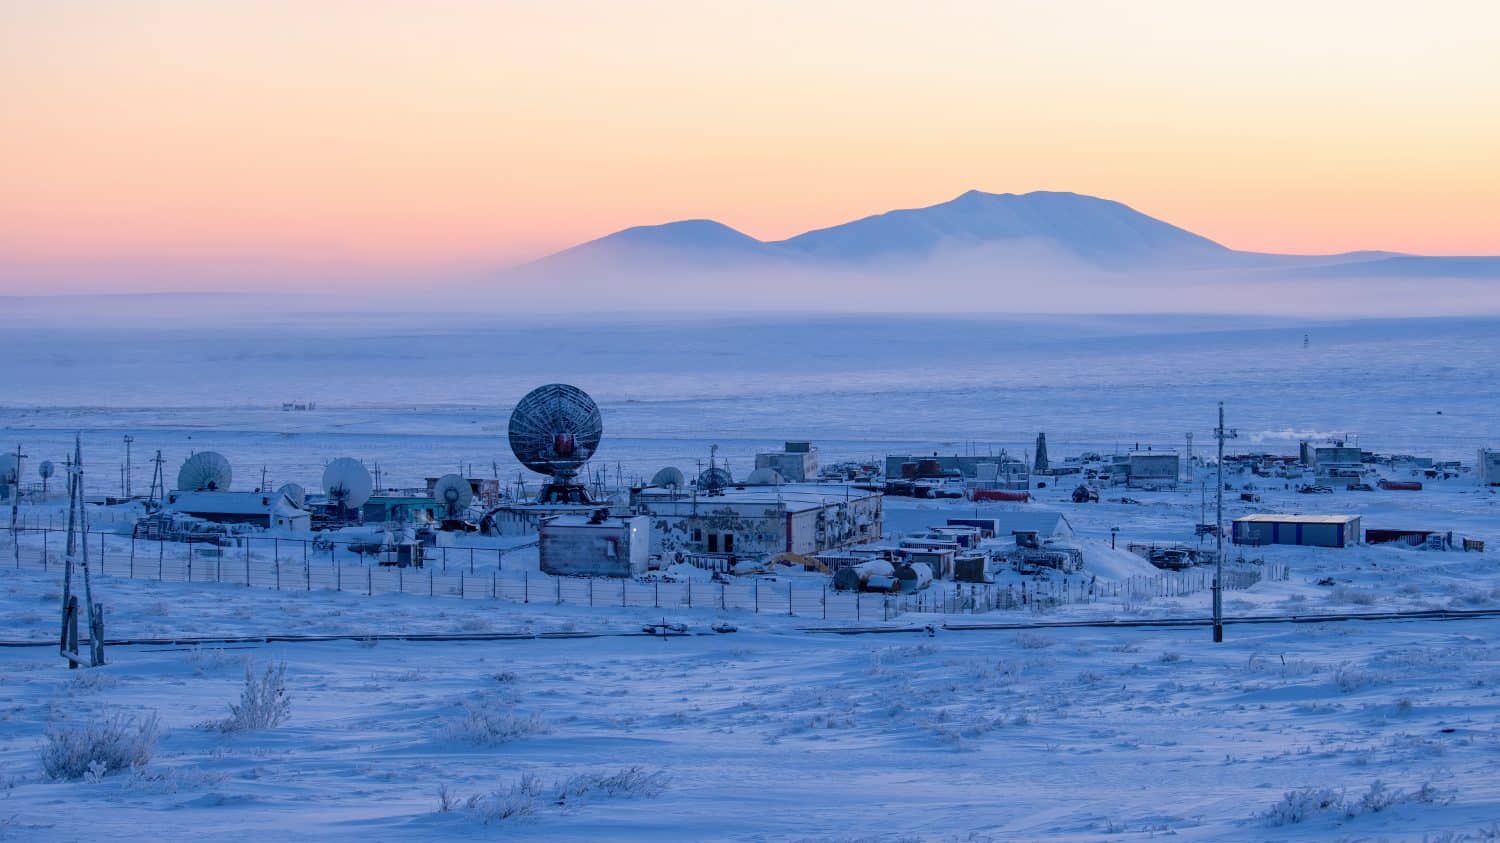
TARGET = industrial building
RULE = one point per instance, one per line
(759, 522)
(1309, 530)
(595, 545)
(1489, 467)
(797, 462)
(988, 471)
(401, 509)
(1333, 460)
(1152, 469)
(263, 509)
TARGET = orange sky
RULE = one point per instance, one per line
(151, 144)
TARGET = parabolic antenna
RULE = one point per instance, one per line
(669, 478)
(9, 470)
(205, 471)
(714, 478)
(454, 493)
(766, 476)
(294, 493)
(554, 430)
(347, 482)
(45, 469)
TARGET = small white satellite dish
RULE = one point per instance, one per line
(294, 493)
(669, 478)
(205, 471)
(454, 493)
(347, 482)
(45, 469)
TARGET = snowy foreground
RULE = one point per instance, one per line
(769, 733)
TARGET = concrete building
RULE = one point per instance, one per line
(1333, 460)
(796, 463)
(760, 522)
(1152, 469)
(271, 510)
(596, 545)
(1309, 530)
(1489, 467)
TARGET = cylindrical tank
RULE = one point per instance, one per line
(857, 577)
(914, 577)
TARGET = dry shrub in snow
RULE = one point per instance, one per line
(1307, 802)
(528, 797)
(263, 704)
(486, 725)
(1032, 641)
(95, 748)
(1356, 596)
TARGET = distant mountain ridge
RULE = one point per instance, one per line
(1071, 228)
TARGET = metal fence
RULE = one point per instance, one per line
(480, 573)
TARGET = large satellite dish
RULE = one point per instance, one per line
(45, 469)
(205, 471)
(554, 430)
(669, 478)
(765, 476)
(10, 470)
(294, 493)
(454, 493)
(347, 482)
(714, 478)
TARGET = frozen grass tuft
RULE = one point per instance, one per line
(527, 797)
(263, 704)
(1032, 641)
(1355, 596)
(1307, 802)
(627, 782)
(1349, 678)
(93, 749)
(485, 726)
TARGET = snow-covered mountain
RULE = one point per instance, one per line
(999, 230)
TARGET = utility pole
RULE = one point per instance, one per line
(158, 481)
(128, 439)
(15, 506)
(1220, 433)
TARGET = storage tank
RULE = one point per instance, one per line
(857, 577)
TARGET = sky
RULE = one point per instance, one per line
(190, 145)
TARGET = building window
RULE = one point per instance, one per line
(728, 542)
(713, 542)
(697, 535)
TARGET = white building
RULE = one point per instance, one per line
(271, 510)
(760, 522)
(796, 463)
(597, 545)
(1489, 467)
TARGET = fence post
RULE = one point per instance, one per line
(495, 585)
(429, 583)
(658, 594)
(789, 600)
(132, 551)
(723, 603)
(190, 562)
(558, 581)
(278, 571)
(690, 592)
(525, 587)
(161, 550)
(307, 569)
(757, 595)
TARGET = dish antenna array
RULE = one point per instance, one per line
(45, 469)
(554, 430)
(347, 483)
(454, 494)
(205, 471)
(715, 479)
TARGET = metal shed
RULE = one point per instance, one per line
(1308, 530)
